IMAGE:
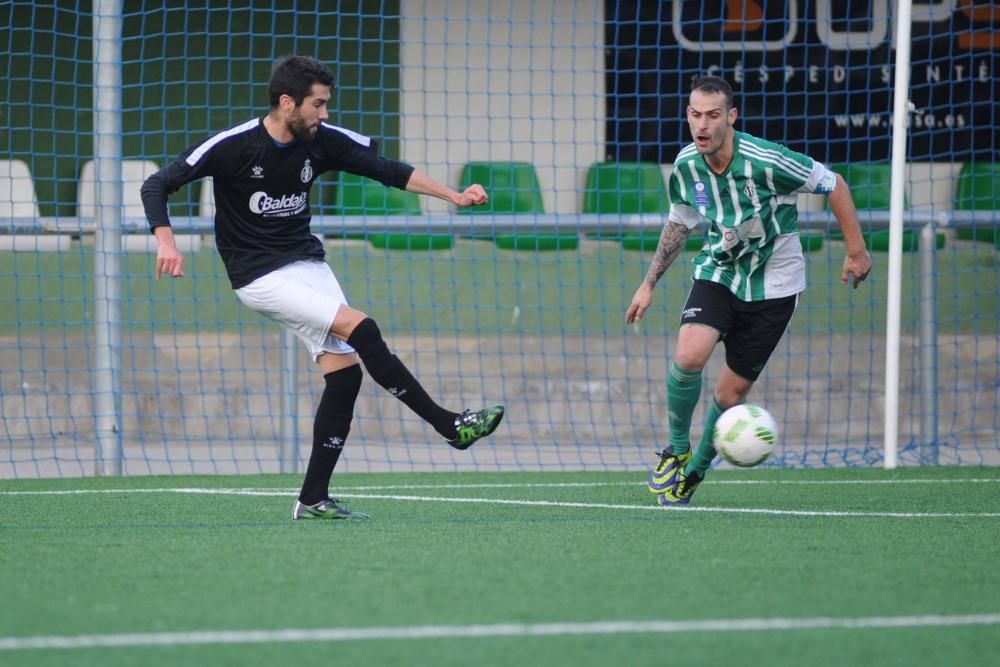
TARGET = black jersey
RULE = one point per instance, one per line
(262, 191)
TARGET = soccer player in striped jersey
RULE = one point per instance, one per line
(262, 173)
(748, 275)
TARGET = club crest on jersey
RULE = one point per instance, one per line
(750, 190)
(257, 171)
(307, 172)
(700, 195)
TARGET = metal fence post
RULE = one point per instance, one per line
(928, 347)
(288, 458)
(107, 242)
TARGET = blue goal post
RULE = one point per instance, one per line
(571, 114)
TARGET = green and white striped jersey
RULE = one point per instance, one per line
(753, 245)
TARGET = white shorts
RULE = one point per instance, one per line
(304, 297)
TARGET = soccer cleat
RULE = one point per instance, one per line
(683, 487)
(661, 476)
(327, 510)
(475, 425)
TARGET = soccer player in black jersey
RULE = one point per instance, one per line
(262, 172)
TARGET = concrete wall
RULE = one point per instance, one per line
(573, 402)
(504, 80)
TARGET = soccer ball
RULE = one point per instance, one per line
(745, 435)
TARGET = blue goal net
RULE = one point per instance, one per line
(570, 114)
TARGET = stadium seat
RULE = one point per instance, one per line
(537, 241)
(869, 184)
(811, 242)
(648, 241)
(206, 202)
(513, 188)
(206, 199)
(17, 200)
(357, 195)
(134, 172)
(625, 188)
(878, 240)
(979, 190)
(631, 188)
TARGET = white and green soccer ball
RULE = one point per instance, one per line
(745, 435)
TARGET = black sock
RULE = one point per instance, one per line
(333, 423)
(386, 369)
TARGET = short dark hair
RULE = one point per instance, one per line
(713, 85)
(295, 76)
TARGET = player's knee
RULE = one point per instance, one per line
(689, 363)
(367, 340)
(351, 377)
(365, 331)
(346, 321)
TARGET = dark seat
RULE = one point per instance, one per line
(979, 190)
(357, 195)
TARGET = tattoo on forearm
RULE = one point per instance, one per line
(672, 239)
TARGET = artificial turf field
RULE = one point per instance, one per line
(766, 567)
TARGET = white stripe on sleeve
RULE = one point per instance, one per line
(200, 152)
(359, 138)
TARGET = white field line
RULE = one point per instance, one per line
(346, 493)
(482, 631)
(686, 508)
(526, 485)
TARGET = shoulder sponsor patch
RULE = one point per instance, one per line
(827, 182)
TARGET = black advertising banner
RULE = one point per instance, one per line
(816, 75)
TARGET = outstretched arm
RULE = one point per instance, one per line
(858, 262)
(672, 239)
(422, 184)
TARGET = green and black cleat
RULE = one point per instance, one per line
(326, 510)
(661, 476)
(473, 425)
(681, 489)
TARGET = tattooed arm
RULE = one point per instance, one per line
(672, 239)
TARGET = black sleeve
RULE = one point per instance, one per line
(166, 182)
(357, 154)
(391, 172)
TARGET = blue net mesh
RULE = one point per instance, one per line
(521, 303)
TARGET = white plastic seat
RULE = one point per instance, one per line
(134, 172)
(17, 200)
(206, 201)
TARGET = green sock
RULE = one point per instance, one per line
(702, 458)
(683, 394)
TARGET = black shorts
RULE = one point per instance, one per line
(750, 329)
